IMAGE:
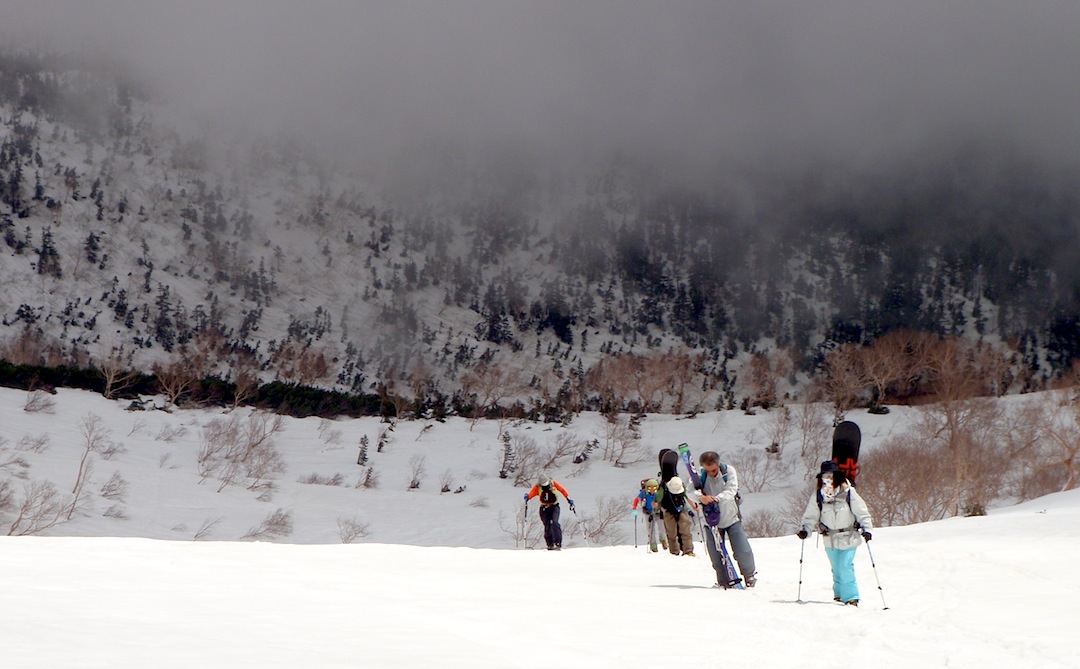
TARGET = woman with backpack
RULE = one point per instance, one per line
(545, 489)
(840, 515)
(677, 523)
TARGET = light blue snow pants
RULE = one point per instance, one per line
(844, 585)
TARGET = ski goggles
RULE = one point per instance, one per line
(651, 488)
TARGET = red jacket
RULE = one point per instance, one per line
(555, 484)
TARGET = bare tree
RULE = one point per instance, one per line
(242, 452)
(766, 371)
(327, 433)
(207, 526)
(613, 379)
(95, 439)
(962, 421)
(565, 446)
(602, 525)
(317, 479)
(38, 444)
(41, 507)
(31, 347)
(115, 488)
(622, 445)
(911, 482)
(39, 401)
(114, 364)
(757, 470)
(843, 380)
(314, 366)
(277, 524)
(765, 523)
(778, 425)
(886, 362)
(351, 529)
(652, 379)
(7, 496)
(1051, 450)
(12, 461)
(526, 459)
(175, 378)
(815, 432)
(489, 384)
(245, 377)
(681, 366)
(301, 364)
(525, 528)
(422, 379)
(418, 471)
(446, 481)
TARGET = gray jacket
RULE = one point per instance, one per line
(724, 488)
(836, 518)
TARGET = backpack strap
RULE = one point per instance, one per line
(821, 501)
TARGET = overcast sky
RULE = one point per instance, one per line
(693, 81)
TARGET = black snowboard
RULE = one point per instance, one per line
(669, 463)
(845, 449)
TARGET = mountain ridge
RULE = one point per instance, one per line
(128, 236)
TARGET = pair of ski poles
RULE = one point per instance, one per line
(873, 565)
(584, 529)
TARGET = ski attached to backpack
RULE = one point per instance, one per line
(845, 449)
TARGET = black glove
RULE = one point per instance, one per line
(867, 536)
(802, 534)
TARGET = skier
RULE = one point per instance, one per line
(838, 512)
(545, 488)
(677, 518)
(650, 498)
(720, 488)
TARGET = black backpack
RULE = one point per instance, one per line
(547, 495)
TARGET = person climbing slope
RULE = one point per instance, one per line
(546, 488)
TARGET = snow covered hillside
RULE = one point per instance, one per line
(152, 473)
(445, 578)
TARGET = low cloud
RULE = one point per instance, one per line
(701, 85)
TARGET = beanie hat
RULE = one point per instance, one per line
(829, 466)
(652, 483)
(675, 486)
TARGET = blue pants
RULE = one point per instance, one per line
(844, 585)
(549, 515)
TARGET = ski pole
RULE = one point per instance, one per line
(874, 566)
(802, 550)
(584, 529)
(525, 524)
(635, 530)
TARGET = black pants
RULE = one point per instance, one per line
(549, 515)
